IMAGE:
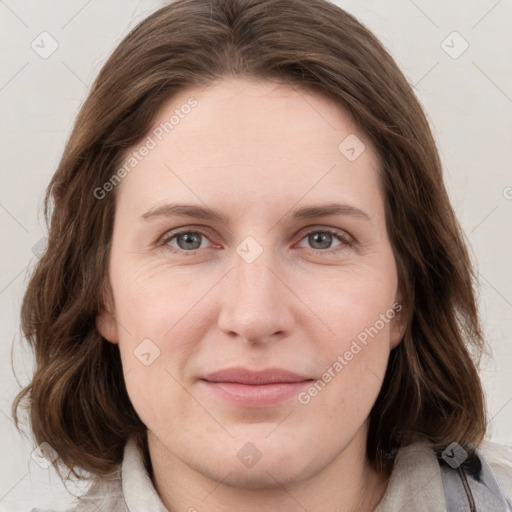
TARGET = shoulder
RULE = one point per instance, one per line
(499, 458)
(499, 454)
(103, 494)
(418, 478)
(127, 488)
(415, 478)
(51, 510)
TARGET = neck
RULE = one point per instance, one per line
(346, 484)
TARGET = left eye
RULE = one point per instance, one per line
(323, 239)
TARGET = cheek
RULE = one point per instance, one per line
(358, 306)
(156, 316)
(154, 386)
(352, 300)
(151, 299)
(353, 366)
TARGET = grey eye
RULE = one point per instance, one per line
(320, 240)
(189, 240)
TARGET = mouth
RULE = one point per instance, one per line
(249, 388)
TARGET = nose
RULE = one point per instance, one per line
(256, 302)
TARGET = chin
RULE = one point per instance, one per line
(261, 476)
(273, 465)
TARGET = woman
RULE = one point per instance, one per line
(256, 294)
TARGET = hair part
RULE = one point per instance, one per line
(77, 398)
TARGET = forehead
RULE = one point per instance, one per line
(248, 140)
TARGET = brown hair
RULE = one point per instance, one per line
(77, 398)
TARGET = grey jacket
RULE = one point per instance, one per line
(418, 483)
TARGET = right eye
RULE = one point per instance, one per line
(183, 241)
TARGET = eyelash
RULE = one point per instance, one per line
(345, 240)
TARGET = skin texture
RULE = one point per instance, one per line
(255, 151)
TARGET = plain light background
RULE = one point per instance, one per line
(466, 93)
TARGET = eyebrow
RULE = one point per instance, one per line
(206, 213)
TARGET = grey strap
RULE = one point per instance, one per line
(478, 493)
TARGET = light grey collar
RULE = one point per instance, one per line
(139, 492)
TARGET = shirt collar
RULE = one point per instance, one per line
(138, 490)
(416, 478)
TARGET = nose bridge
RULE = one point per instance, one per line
(252, 264)
(254, 304)
(255, 281)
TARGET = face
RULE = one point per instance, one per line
(277, 259)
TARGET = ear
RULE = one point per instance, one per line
(106, 325)
(398, 322)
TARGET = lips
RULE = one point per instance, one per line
(250, 377)
(249, 388)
